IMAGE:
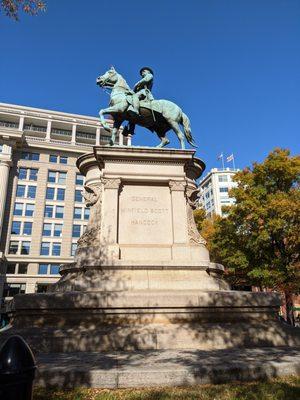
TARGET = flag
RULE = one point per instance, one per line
(220, 156)
(229, 158)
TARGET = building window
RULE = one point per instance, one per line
(25, 248)
(16, 228)
(60, 194)
(43, 269)
(20, 190)
(76, 231)
(53, 211)
(11, 289)
(47, 229)
(73, 249)
(58, 230)
(79, 179)
(59, 212)
(29, 210)
(31, 192)
(28, 174)
(62, 178)
(54, 269)
(77, 212)
(78, 196)
(53, 158)
(30, 156)
(58, 159)
(51, 176)
(86, 213)
(50, 193)
(53, 248)
(22, 268)
(223, 189)
(13, 247)
(18, 210)
(223, 178)
(48, 211)
(45, 249)
(63, 160)
(11, 268)
(57, 177)
(56, 248)
(27, 228)
(22, 173)
(41, 287)
(26, 191)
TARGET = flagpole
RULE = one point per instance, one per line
(233, 161)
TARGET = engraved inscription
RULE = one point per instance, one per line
(144, 217)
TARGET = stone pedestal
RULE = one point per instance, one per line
(142, 277)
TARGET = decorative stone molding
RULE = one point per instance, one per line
(177, 186)
(91, 194)
(91, 237)
(111, 183)
(191, 195)
(6, 163)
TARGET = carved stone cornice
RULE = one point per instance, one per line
(178, 186)
(111, 183)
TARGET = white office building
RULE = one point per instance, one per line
(215, 187)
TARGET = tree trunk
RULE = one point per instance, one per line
(289, 308)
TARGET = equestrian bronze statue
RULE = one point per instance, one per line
(138, 107)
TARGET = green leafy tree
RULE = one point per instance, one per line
(258, 241)
(12, 8)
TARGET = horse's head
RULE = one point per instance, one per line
(110, 78)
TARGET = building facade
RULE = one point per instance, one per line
(214, 190)
(42, 212)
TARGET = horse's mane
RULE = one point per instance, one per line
(122, 82)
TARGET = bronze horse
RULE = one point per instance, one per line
(159, 116)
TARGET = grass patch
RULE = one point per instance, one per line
(277, 389)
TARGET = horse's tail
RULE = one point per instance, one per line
(187, 130)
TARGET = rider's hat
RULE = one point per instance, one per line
(146, 68)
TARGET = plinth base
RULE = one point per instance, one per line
(149, 320)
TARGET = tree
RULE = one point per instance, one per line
(258, 241)
(11, 8)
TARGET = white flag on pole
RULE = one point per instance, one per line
(230, 158)
(220, 156)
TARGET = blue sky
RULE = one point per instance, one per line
(233, 66)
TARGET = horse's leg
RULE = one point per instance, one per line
(117, 108)
(163, 141)
(117, 124)
(177, 130)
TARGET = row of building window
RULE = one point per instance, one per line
(51, 211)
(22, 269)
(30, 174)
(26, 155)
(29, 192)
(51, 230)
(47, 248)
(26, 191)
(21, 228)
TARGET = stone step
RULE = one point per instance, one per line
(164, 368)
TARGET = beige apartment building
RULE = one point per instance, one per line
(42, 211)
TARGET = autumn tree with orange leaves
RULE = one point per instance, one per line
(258, 241)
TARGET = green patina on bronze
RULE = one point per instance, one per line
(138, 107)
